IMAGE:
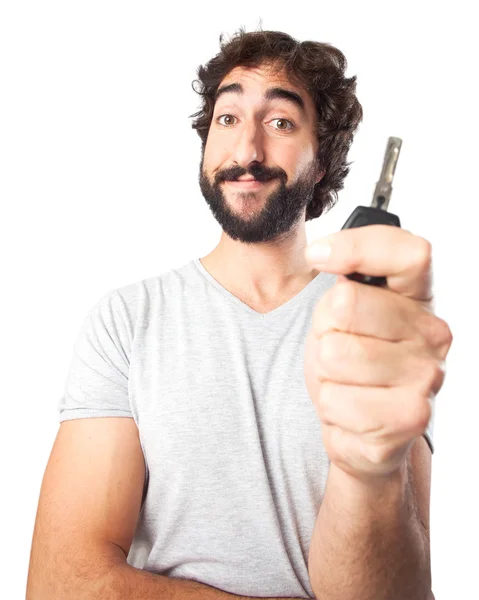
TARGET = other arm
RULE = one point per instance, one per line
(86, 519)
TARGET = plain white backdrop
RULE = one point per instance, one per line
(99, 188)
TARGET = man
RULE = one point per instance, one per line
(266, 416)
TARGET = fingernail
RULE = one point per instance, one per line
(319, 252)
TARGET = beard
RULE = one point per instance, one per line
(263, 216)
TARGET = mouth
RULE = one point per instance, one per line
(251, 184)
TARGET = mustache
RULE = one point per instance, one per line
(256, 171)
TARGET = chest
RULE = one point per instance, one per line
(226, 400)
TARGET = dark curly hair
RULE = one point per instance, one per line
(317, 67)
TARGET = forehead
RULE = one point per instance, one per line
(261, 77)
(258, 74)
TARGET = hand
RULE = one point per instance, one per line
(374, 357)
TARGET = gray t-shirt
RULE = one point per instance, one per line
(236, 467)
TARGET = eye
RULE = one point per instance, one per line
(285, 121)
(280, 119)
(220, 117)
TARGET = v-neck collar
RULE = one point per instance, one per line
(279, 309)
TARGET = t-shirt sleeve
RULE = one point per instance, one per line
(97, 381)
(428, 434)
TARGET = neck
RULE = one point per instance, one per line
(264, 272)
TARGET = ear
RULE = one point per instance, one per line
(320, 175)
(318, 171)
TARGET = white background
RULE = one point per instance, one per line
(99, 188)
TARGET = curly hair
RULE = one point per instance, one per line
(317, 67)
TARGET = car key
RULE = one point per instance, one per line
(377, 213)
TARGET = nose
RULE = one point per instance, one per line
(248, 145)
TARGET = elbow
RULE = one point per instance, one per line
(58, 577)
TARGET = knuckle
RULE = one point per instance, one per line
(437, 333)
(423, 256)
(419, 412)
(442, 337)
(432, 377)
(446, 337)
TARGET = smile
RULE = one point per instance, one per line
(247, 184)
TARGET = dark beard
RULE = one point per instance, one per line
(281, 211)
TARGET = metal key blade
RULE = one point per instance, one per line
(382, 193)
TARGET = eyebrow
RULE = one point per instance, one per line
(271, 94)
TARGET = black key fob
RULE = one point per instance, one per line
(376, 214)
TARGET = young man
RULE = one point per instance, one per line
(266, 417)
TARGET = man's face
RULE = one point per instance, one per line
(271, 140)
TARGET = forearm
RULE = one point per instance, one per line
(368, 543)
(105, 575)
(127, 583)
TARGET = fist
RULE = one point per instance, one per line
(375, 357)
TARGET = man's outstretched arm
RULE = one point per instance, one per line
(368, 542)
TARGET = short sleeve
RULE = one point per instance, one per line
(428, 434)
(97, 381)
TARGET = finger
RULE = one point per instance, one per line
(375, 412)
(360, 309)
(361, 360)
(379, 250)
